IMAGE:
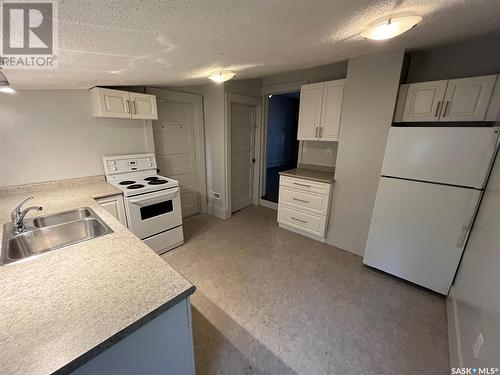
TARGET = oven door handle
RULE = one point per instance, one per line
(153, 199)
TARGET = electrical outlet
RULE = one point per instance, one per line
(476, 348)
(214, 194)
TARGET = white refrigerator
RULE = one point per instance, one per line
(431, 183)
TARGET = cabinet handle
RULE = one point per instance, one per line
(300, 200)
(304, 185)
(127, 104)
(133, 106)
(437, 109)
(320, 132)
(446, 108)
(300, 221)
(316, 132)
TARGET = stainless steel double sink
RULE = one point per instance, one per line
(47, 233)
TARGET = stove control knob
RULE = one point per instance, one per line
(150, 164)
(115, 169)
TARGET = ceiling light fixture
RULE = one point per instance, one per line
(220, 77)
(391, 27)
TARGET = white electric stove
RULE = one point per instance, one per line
(152, 202)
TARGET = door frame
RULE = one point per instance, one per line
(266, 91)
(199, 134)
(251, 101)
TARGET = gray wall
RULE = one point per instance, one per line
(50, 135)
(474, 302)
(369, 100)
(473, 57)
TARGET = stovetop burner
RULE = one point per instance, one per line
(157, 182)
(135, 186)
(126, 182)
(153, 178)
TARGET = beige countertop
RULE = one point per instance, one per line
(310, 174)
(58, 307)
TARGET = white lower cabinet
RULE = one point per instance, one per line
(304, 206)
(115, 206)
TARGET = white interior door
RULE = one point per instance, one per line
(242, 155)
(418, 231)
(175, 150)
(467, 99)
(424, 101)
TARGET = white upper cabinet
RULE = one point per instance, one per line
(143, 106)
(320, 110)
(424, 101)
(123, 104)
(333, 95)
(465, 99)
(110, 103)
(311, 97)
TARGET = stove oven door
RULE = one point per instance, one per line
(153, 213)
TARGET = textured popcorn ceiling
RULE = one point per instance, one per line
(132, 42)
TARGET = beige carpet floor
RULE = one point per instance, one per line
(269, 301)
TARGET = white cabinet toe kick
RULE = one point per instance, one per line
(304, 206)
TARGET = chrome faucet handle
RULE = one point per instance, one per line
(17, 215)
(17, 211)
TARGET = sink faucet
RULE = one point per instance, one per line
(17, 215)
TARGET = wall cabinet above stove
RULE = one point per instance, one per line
(465, 99)
(123, 104)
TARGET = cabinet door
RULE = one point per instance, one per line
(110, 103)
(311, 97)
(143, 106)
(333, 94)
(467, 99)
(115, 206)
(424, 101)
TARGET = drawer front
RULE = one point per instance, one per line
(316, 203)
(310, 223)
(306, 185)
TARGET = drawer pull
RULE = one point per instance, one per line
(299, 220)
(300, 200)
(304, 185)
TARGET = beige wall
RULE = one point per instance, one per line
(51, 135)
(367, 111)
(474, 300)
(250, 87)
(318, 153)
(320, 73)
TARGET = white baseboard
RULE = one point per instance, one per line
(455, 351)
(217, 212)
(268, 204)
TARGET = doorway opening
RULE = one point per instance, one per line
(282, 146)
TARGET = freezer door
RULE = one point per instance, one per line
(418, 231)
(449, 155)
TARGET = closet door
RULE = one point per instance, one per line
(311, 97)
(467, 99)
(424, 101)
